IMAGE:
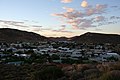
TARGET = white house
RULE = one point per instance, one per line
(76, 54)
(108, 55)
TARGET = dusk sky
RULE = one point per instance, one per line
(58, 18)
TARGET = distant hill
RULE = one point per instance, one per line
(97, 38)
(58, 38)
(14, 35)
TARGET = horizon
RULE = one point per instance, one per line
(61, 36)
(61, 18)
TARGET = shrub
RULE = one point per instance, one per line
(49, 73)
(112, 75)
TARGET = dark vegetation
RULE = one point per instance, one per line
(30, 72)
(105, 71)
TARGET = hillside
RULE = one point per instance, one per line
(97, 38)
(58, 38)
(14, 35)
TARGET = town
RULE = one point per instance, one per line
(65, 52)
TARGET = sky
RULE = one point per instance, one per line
(61, 18)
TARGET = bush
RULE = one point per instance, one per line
(91, 74)
(49, 73)
(112, 75)
(55, 57)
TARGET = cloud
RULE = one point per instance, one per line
(113, 17)
(11, 22)
(98, 29)
(19, 25)
(68, 9)
(36, 26)
(98, 9)
(118, 17)
(109, 20)
(66, 1)
(114, 6)
(70, 15)
(87, 24)
(84, 3)
(62, 29)
(99, 18)
(89, 16)
(55, 33)
(81, 23)
(22, 25)
(75, 27)
(84, 24)
(90, 11)
(83, 19)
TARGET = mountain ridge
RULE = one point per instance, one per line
(13, 35)
(90, 37)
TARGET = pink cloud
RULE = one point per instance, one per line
(100, 8)
(76, 27)
(68, 9)
(99, 18)
(70, 15)
(90, 16)
(78, 19)
(87, 24)
(66, 1)
(84, 3)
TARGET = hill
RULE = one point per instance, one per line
(97, 38)
(14, 35)
(58, 38)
